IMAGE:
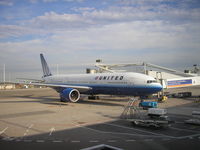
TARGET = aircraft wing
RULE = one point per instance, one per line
(29, 80)
(82, 88)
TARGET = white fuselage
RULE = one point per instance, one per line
(134, 84)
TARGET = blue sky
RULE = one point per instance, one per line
(73, 33)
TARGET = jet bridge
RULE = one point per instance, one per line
(146, 66)
(164, 75)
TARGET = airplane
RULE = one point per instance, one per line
(70, 87)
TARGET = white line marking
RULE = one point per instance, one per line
(18, 140)
(179, 122)
(51, 131)
(5, 138)
(3, 130)
(131, 134)
(139, 130)
(8, 138)
(94, 141)
(154, 134)
(188, 136)
(57, 141)
(130, 140)
(27, 140)
(40, 141)
(30, 126)
(112, 141)
(184, 130)
(148, 140)
(166, 139)
(75, 141)
(12, 138)
(27, 130)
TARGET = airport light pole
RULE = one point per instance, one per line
(4, 73)
(57, 69)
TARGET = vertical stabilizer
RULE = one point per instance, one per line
(45, 67)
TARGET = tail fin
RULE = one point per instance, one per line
(45, 67)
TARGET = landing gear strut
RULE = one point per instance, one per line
(92, 97)
(62, 99)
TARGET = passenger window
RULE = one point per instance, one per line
(148, 81)
(121, 77)
(151, 81)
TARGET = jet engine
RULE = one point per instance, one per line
(70, 94)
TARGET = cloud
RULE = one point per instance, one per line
(18, 32)
(49, 1)
(110, 29)
(132, 35)
(156, 32)
(89, 17)
(137, 35)
(13, 31)
(33, 1)
(74, 1)
(52, 20)
(83, 9)
(130, 13)
(6, 2)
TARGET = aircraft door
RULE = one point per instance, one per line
(131, 82)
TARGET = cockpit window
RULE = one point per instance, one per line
(151, 81)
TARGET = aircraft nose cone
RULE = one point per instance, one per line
(159, 87)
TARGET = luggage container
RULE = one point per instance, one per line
(148, 104)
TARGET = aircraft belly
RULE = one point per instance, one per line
(123, 90)
(126, 90)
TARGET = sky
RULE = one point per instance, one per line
(72, 34)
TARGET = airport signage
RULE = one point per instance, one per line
(179, 83)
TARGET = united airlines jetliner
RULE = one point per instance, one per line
(72, 86)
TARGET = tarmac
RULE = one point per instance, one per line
(36, 119)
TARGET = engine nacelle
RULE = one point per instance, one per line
(70, 94)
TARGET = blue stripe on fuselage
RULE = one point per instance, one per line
(116, 89)
(124, 90)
